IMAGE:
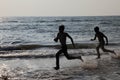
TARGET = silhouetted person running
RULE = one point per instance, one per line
(101, 44)
(61, 36)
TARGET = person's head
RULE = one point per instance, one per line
(61, 28)
(96, 29)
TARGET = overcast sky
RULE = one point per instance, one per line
(59, 7)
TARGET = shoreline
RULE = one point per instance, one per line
(89, 45)
(50, 53)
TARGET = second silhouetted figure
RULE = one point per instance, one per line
(101, 44)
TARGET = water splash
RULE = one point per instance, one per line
(89, 63)
(117, 56)
(4, 72)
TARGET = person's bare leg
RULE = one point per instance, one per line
(71, 57)
(106, 50)
(57, 59)
(98, 53)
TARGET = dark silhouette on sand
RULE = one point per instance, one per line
(101, 44)
(61, 36)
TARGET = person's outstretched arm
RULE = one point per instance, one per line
(94, 38)
(106, 39)
(71, 40)
(56, 39)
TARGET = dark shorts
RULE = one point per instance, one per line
(101, 44)
(64, 49)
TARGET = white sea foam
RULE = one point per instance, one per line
(117, 56)
(89, 63)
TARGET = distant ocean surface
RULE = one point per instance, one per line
(15, 31)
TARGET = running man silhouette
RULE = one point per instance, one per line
(101, 44)
(61, 36)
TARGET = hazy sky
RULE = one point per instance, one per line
(59, 7)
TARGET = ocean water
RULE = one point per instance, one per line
(42, 30)
(27, 49)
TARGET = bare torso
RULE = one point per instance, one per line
(100, 37)
(62, 37)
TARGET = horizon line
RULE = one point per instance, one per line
(59, 16)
